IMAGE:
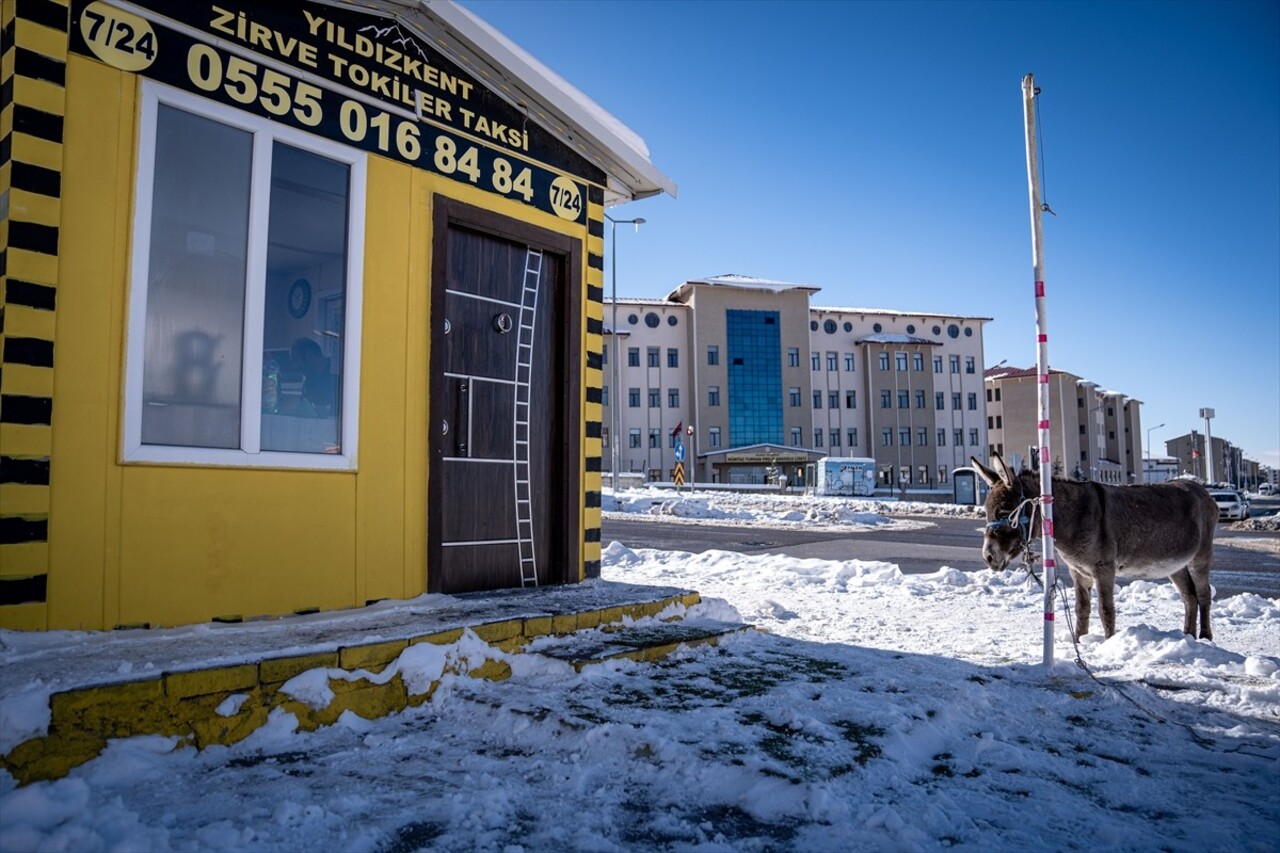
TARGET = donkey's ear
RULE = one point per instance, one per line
(1006, 473)
(989, 477)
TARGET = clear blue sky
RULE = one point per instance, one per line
(876, 150)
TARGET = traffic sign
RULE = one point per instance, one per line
(679, 451)
(679, 477)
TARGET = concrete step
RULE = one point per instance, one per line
(217, 684)
(646, 642)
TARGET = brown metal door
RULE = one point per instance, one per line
(498, 452)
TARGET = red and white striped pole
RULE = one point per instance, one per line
(1029, 93)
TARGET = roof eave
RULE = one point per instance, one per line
(631, 175)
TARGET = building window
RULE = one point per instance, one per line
(673, 398)
(849, 362)
(713, 436)
(922, 436)
(793, 395)
(973, 401)
(713, 395)
(991, 422)
(853, 437)
(833, 361)
(793, 356)
(988, 395)
(817, 438)
(833, 400)
(216, 303)
(939, 400)
(795, 436)
(883, 360)
(904, 399)
(955, 363)
(653, 354)
(969, 366)
(942, 438)
(633, 398)
(829, 326)
(917, 361)
(924, 475)
(633, 356)
(900, 360)
(937, 364)
(651, 320)
(817, 399)
(851, 399)
(655, 398)
(997, 395)
(655, 438)
(904, 436)
(942, 474)
(633, 438)
(754, 398)
(815, 362)
(999, 421)
(604, 437)
(604, 395)
(920, 399)
(886, 399)
(673, 357)
(713, 354)
(973, 437)
(957, 437)
(955, 400)
(604, 356)
(886, 436)
(673, 438)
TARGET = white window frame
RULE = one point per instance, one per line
(250, 453)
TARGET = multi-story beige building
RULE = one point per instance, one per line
(1094, 434)
(765, 380)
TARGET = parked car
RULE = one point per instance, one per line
(1265, 489)
(1231, 504)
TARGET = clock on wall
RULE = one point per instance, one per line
(299, 298)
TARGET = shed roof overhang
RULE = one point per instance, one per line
(524, 82)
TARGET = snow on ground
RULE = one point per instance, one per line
(775, 509)
(874, 711)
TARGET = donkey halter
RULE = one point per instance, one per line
(1020, 519)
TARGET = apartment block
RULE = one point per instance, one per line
(766, 380)
(1094, 434)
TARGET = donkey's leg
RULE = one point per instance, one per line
(1187, 587)
(1083, 584)
(1105, 574)
(1199, 572)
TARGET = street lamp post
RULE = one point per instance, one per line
(1148, 448)
(615, 399)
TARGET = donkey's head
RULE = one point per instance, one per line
(1010, 512)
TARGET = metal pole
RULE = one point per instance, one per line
(1029, 93)
(1208, 414)
(614, 400)
(615, 405)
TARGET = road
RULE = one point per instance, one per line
(946, 542)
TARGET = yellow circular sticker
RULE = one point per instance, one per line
(566, 199)
(120, 39)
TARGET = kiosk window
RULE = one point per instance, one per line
(243, 338)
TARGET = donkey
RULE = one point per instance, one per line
(1149, 531)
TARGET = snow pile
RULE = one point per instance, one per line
(769, 509)
(874, 711)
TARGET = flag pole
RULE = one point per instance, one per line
(1029, 93)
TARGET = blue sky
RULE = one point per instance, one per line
(876, 150)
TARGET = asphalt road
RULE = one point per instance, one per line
(946, 542)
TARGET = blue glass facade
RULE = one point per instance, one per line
(755, 377)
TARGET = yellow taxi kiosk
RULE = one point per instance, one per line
(303, 309)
